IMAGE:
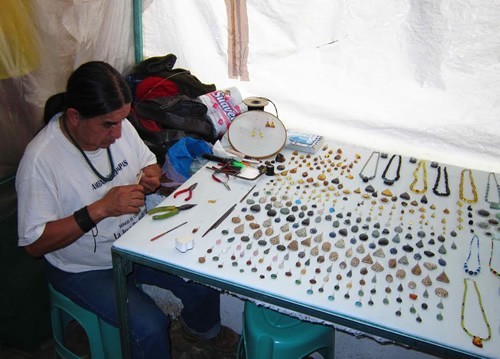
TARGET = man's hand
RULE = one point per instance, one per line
(150, 179)
(119, 200)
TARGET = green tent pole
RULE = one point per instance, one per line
(138, 30)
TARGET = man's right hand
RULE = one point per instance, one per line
(118, 201)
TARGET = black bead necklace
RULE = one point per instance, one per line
(446, 193)
(468, 270)
(389, 181)
(111, 175)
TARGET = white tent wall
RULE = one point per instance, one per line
(41, 43)
(418, 78)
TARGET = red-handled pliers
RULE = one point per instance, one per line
(189, 190)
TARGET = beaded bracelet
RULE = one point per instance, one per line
(82, 218)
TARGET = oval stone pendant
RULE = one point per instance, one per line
(478, 342)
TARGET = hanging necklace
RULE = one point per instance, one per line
(367, 178)
(466, 264)
(472, 185)
(111, 175)
(389, 181)
(446, 193)
(476, 340)
(415, 176)
(492, 270)
(493, 205)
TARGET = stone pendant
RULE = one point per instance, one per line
(477, 341)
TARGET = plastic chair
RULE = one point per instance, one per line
(272, 335)
(104, 339)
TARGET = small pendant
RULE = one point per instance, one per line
(477, 341)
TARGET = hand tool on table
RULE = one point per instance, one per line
(223, 181)
(226, 161)
(220, 220)
(168, 211)
(188, 189)
(170, 230)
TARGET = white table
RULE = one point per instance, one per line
(296, 281)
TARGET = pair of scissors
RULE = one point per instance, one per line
(169, 211)
(189, 190)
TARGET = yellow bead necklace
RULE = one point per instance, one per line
(472, 185)
(422, 164)
(476, 340)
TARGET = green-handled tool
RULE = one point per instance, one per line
(168, 211)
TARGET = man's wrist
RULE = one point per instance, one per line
(83, 219)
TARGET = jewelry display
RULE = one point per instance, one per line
(446, 193)
(466, 264)
(388, 181)
(493, 204)
(420, 164)
(107, 178)
(340, 242)
(494, 271)
(368, 178)
(472, 186)
(476, 340)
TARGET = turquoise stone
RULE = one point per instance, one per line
(331, 298)
(439, 317)
(310, 291)
(358, 304)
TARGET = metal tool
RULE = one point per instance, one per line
(170, 230)
(236, 173)
(168, 211)
(245, 196)
(189, 190)
(224, 182)
(139, 176)
(220, 220)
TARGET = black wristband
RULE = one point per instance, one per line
(82, 218)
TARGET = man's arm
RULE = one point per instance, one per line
(118, 201)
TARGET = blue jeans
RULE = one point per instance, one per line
(94, 291)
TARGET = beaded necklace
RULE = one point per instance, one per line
(111, 175)
(493, 205)
(389, 181)
(472, 185)
(367, 178)
(446, 193)
(476, 340)
(422, 164)
(466, 265)
(492, 270)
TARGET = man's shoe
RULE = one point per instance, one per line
(226, 342)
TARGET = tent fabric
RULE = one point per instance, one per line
(417, 78)
(55, 37)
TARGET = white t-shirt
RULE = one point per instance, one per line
(54, 180)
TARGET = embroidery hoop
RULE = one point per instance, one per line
(250, 134)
